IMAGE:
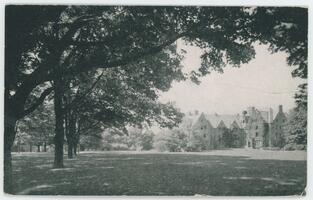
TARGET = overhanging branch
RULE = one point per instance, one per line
(39, 101)
(78, 98)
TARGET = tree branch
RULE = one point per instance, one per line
(80, 97)
(96, 63)
(39, 101)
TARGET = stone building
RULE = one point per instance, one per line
(254, 128)
(277, 137)
(208, 131)
(262, 130)
(256, 124)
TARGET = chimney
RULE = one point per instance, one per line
(244, 113)
(280, 108)
(270, 120)
(251, 110)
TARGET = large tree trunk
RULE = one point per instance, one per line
(59, 122)
(75, 149)
(76, 138)
(70, 150)
(9, 135)
(71, 132)
(45, 146)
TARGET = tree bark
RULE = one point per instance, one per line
(71, 132)
(70, 150)
(59, 122)
(75, 149)
(45, 146)
(30, 147)
(9, 135)
(38, 148)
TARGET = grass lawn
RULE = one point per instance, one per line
(228, 172)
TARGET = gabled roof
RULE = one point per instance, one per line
(280, 115)
(235, 125)
(265, 115)
(227, 120)
(202, 120)
(221, 124)
(189, 120)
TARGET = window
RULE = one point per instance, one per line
(256, 134)
(201, 127)
(204, 135)
(256, 127)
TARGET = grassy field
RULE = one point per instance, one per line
(228, 172)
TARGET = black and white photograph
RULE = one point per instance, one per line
(155, 100)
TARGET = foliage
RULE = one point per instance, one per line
(77, 39)
(83, 38)
(196, 142)
(296, 127)
(146, 140)
(174, 140)
(91, 142)
(137, 139)
(38, 127)
(239, 137)
(129, 95)
(301, 97)
(228, 137)
(285, 29)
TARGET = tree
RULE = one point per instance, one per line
(174, 140)
(146, 140)
(38, 127)
(296, 126)
(239, 137)
(125, 96)
(91, 141)
(40, 39)
(284, 29)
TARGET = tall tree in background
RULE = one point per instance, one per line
(296, 125)
(38, 127)
(120, 97)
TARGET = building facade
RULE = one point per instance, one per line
(214, 131)
(257, 127)
(254, 128)
(277, 137)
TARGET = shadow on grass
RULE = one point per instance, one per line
(159, 174)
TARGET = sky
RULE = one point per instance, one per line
(264, 82)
